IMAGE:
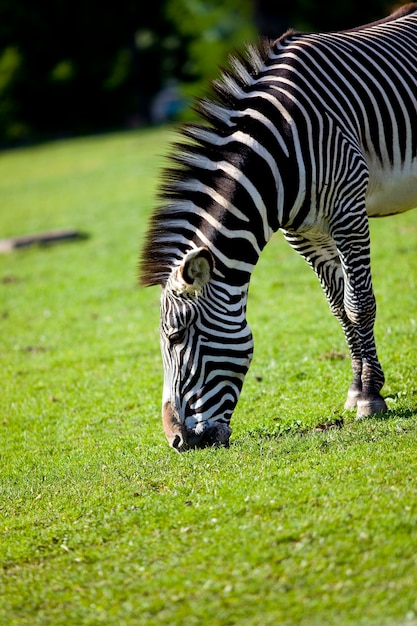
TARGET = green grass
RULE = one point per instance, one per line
(298, 522)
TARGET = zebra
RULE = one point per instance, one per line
(310, 134)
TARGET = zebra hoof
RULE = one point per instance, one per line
(367, 408)
(352, 399)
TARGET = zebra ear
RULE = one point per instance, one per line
(195, 271)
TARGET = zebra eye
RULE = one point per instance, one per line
(176, 337)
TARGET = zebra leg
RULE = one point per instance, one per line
(353, 245)
(321, 254)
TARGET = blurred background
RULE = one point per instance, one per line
(71, 67)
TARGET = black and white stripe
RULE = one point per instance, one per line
(206, 347)
(310, 134)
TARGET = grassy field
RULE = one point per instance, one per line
(301, 521)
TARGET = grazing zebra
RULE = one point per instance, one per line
(311, 134)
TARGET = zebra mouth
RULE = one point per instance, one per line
(209, 436)
(203, 435)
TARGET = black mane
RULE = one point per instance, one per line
(161, 248)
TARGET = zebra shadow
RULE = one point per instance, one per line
(345, 421)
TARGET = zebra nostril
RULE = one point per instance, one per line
(179, 443)
(176, 442)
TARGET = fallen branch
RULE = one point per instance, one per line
(46, 238)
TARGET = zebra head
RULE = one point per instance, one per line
(206, 349)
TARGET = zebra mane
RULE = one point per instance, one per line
(162, 246)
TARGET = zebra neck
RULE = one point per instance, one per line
(233, 297)
(235, 254)
(232, 191)
(231, 216)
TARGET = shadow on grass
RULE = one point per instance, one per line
(396, 413)
(298, 429)
(295, 428)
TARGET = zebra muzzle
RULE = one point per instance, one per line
(174, 431)
(181, 439)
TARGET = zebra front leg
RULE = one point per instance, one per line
(360, 308)
(320, 252)
(369, 401)
(355, 390)
(331, 278)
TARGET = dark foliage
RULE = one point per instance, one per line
(78, 67)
